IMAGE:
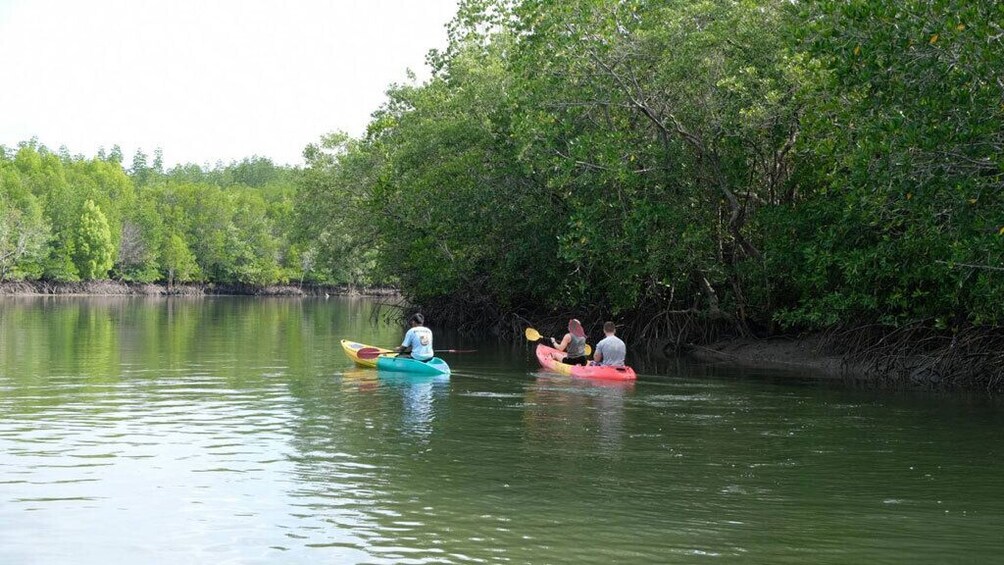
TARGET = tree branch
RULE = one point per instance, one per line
(955, 265)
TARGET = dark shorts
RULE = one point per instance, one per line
(575, 360)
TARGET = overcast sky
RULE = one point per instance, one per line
(205, 80)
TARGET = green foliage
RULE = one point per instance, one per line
(41, 173)
(806, 163)
(93, 251)
(252, 250)
(458, 213)
(334, 231)
(235, 219)
(178, 260)
(566, 154)
(140, 244)
(23, 230)
(904, 129)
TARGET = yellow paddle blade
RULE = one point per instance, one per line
(532, 334)
(589, 349)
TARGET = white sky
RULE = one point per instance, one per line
(205, 80)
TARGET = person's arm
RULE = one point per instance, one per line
(598, 354)
(564, 342)
(406, 344)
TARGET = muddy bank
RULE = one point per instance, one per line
(111, 288)
(972, 359)
(809, 355)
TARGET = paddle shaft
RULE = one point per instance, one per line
(374, 352)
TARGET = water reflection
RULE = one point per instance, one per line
(360, 380)
(577, 410)
(418, 395)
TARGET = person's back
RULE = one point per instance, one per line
(418, 340)
(573, 344)
(576, 346)
(610, 351)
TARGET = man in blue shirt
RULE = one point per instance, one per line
(418, 340)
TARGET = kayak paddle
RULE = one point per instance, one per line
(371, 352)
(374, 352)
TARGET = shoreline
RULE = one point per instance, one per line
(967, 360)
(804, 354)
(958, 364)
(118, 288)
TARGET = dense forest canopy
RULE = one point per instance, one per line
(757, 165)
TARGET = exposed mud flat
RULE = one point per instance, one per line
(804, 354)
(971, 360)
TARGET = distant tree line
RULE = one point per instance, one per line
(68, 218)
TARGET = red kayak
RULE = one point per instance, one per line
(550, 358)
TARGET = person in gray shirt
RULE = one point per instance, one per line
(573, 344)
(610, 351)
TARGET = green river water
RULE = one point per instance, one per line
(234, 430)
